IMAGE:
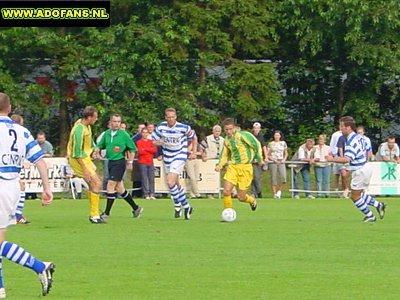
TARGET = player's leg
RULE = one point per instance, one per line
(358, 197)
(370, 199)
(21, 204)
(245, 175)
(136, 209)
(345, 174)
(8, 203)
(174, 189)
(111, 195)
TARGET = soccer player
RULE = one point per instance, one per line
(80, 148)
(174, 136)
(355, 155)
(16, 144)
(240, 149)
(21, 203)
(118, 143)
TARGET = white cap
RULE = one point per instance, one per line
(256, 124)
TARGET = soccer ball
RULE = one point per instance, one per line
(228, 215)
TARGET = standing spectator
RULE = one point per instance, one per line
(136, 178)
(192, 168)
(368, 145)
(146, 150)
(256, 185)
(46, 146)
(277, 155)
(138, 135)
(123, 126)
(389, 151)
(212, 144)
(305, 154)
(322, 166)
(150, 127)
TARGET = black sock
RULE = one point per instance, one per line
(110, 201)
(128, 198)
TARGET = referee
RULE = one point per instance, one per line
(118, 145)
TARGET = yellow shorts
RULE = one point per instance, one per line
(240, 175)
(76, 167)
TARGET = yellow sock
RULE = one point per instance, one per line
(249, 199)
(227, 201)
(94, 201)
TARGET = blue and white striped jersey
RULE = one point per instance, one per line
(175, 138)
(355, 150)
(16, 144)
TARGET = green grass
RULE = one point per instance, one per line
(303, 249)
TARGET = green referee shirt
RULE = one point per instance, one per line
(116, 144)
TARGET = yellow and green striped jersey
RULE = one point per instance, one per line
(241, 148)
(80, 144)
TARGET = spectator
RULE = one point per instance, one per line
(46, 146)
(256, 185)
(277, 155)
(192, 168)
(212, 145)
(137, 190)
(146, 150)
(123, 126)
(138, 135)
(322, 166)
(389, 151)
(368, 145)
(150, 127)
(305, 154)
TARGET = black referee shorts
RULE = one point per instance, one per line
(116, 169)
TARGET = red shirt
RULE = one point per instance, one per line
(146, 150)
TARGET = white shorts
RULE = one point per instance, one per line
(175, 166)
(361, 177)
(9, 197)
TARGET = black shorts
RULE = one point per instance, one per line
(116, 169)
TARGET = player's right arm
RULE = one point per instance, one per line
(157, 137)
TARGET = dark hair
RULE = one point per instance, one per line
(348, 121)
(278, 131)
(89, 111)
(115, 115)
(228, 121)
(391, 137)
(41, 132)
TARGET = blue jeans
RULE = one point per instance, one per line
(147, 174)
(323, 177)
(305, 174)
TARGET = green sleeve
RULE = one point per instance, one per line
(129, 143)
(253, 143)
(101, 144)
(77, 151)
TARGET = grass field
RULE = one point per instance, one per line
(302, 249)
